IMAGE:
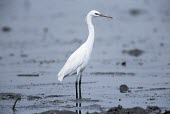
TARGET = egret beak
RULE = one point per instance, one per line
(101, 15)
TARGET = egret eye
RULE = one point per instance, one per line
(96, 13)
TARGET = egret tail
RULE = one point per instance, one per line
(60, 76)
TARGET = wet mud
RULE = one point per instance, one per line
(128, 72)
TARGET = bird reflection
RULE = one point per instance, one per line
(78, 107)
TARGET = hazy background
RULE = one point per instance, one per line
(37, 36)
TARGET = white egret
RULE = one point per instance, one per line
(77, 62)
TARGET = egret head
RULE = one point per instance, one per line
(98, 14)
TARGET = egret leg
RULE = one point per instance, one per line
(80, 96)
(76, 84)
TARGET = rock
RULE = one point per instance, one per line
(166, 112)
(153, 109)
(135, 12)
(6, 29)
(133, 52)
(120, 110)
(123, 63)
(123, 88)
(8, 96)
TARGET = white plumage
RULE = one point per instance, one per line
(77, 62)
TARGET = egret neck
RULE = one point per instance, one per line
(90, 39)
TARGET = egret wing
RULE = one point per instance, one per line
(73, 62)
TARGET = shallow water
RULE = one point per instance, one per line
(34, 40)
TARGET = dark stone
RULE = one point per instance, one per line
(135, 12)
(8, 96)
(153, 109)
(123, 88)
(133, 52)
(166, 112)
(124, 63)
(6, 29)
(120, 110)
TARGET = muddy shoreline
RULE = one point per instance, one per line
(114, 110)
(128, 71)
